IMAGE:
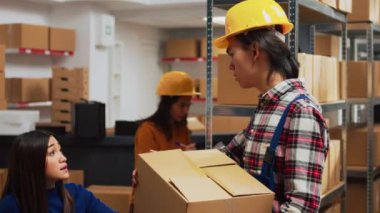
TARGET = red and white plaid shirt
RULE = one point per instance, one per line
(300, 154)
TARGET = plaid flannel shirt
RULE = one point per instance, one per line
(300, 154)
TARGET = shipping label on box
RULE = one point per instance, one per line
(229, 90)
(197, 181)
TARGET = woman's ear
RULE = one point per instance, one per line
(255, 50)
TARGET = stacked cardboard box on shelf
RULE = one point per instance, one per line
(345, 6)
(331, 3)
(365, 11)
(175, 48)
(28, 89)
(3, 102)
(61, 39)
(24, 36)
(68, 86)
(357, 197)
(332, 169)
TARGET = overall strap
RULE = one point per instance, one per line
(266, 176)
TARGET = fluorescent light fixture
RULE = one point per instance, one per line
(217, 19)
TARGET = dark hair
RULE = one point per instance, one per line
(280, 58)
(162, 118)
(26, 178)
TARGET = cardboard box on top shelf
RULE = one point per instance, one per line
(306, 70)
(215, 51)
(227, 124)
(116, 197)
(229, 90)
(364, 11)
(345, 5)
(29, 89)
(327, 45)
(181, 48)
(197, 181)
(24, 36)
(357, 197)
(62, 39)
(2, 58)
(203, 89)
(3, 179)
(76, 176)
(357, 146)
(331, 3)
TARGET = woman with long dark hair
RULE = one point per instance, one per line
(37, 168)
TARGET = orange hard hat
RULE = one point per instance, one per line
(176, 83)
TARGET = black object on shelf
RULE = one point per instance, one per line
(376, 113)
(89, 120)
(126, 127)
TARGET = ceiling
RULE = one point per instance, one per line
(157, 13)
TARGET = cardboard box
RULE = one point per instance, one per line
(29, 89)
(327, 45)
(227, 124)
(317, 60)
(229, 90)
(64, 106)
(3, 104)
(357, 79)
(116, 197)
(331, 3)
(69, 94)
(70, 84)
(334, 208)
(357, 197)
(345, 5)
(195, 125)
(24, 36)
(357, 146)
(2, 86)
(364, 10)
(2, 58)
(215, 51)
(197, 181)
(76, 176)
(203, 89)
(335, 163)
(342, 80)
(329, 80)
(306, 70)
(3, 179)
(325, 176)
(61, 39)
(181, 48)
(61, 116)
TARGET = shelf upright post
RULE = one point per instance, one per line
(370, 123)
(208, 109)
(312, 38)
(293, 35)
(346, 114)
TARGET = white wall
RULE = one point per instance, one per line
(142, 69)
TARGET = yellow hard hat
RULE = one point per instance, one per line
(176, 83)
(251, 14)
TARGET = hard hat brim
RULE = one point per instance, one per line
(222, 42)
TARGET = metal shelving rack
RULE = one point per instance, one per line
(368, 31)
(312, 13)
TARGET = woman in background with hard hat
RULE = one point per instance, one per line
(286, 143)
(167, 128)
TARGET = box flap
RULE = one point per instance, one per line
(209, 157)
(197, 189)
(171, 163)
(236, 181)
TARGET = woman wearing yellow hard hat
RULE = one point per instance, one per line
(167, 128)
(286, 142)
